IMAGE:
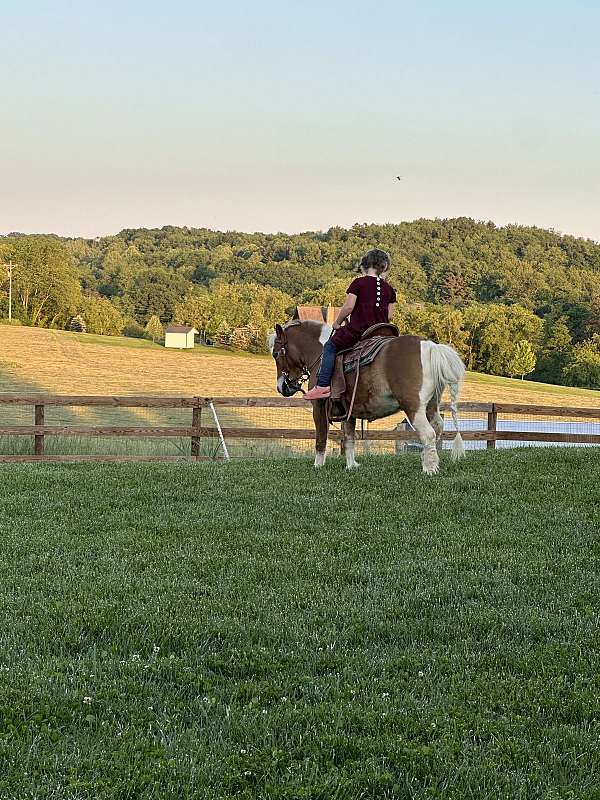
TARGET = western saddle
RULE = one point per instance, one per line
(364, 352)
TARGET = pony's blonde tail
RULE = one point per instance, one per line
(447, 369)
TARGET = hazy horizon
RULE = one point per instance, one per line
(282, 232)
(271, 119)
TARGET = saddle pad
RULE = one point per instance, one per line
(367, 350)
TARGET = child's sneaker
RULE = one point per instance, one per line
(318, 393)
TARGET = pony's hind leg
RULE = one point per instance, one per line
(435, 419)
(429, 458)
(349, 441)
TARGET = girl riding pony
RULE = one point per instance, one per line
(370, 300)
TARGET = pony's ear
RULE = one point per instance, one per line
(279, 331)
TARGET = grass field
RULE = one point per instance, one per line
(33, 359)
(261, 630)
(36, 360)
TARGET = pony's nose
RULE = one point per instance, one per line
(289, 389)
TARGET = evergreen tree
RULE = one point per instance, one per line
(77, 325)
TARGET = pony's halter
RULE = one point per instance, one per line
(304, 375)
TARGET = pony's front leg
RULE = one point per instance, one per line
(322, 429)
(349, 442)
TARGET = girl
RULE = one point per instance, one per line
(370, 300)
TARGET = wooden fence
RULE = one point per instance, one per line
(196, 431)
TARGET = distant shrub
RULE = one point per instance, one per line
(133, 329)
(12, 322)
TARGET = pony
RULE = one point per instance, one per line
(409, 374)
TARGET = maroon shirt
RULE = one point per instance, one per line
(374, 295)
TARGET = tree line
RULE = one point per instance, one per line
(513, 300)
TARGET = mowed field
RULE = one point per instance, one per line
(264, 631)
(33, 359)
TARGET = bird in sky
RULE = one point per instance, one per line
(398, 177)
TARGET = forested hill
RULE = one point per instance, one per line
(456, 278)
(433, 259)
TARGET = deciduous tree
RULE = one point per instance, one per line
(46, 286)
(154, 328)
(522, 360)
(101, 316)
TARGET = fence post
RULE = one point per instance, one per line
(39, 437)
(196, 423)
(492, 426)
(400, 446)
(364, 428)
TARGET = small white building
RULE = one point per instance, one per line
(181, 336)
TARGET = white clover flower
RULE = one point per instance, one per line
(87, 701)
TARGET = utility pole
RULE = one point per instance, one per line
(9, 268)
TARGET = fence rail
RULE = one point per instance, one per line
(196, 432)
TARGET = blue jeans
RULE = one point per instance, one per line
(327, 364)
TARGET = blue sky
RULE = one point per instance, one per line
(297, 116)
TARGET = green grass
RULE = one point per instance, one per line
(264, 630)
(127, 341)
(113, 341)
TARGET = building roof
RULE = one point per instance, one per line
(180, 329)
(317, 313)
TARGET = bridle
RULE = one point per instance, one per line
(306, 369)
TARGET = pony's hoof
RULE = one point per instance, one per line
(353, 465)
(431, 470)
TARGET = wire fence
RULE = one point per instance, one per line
(531, 424)
(255, 427)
